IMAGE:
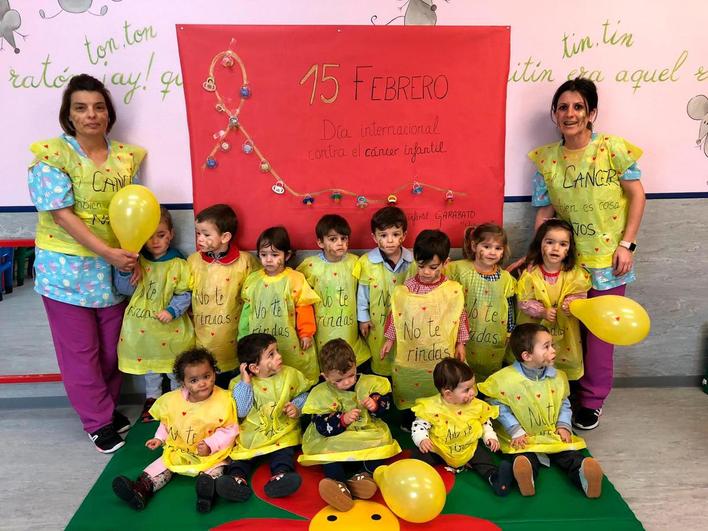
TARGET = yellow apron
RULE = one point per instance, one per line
(189, 423)
(381, 282)
(366, 439)
(536, 405)
(426, 332)
(584, 189)
(566, 329)
(93, 188)
(216, 304)
(336, 311)
(487, 309)
(266, 428)
(455, 429)
(272, 303)
(145, 343)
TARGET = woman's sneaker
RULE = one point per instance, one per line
(120, 422)
(586, 418)
(106, 439)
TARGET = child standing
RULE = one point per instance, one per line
(346, 435)
(378, 272)
(535, 414)
(448, 426)
(279, 301)
(269, 398)
(156, 327)
(218, 272)
(489, 292)
(427, 321)
(330, 275)
(197, 429)
(547, 287)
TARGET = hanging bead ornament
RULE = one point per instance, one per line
(245, 91)
(265, 167)
(361, 201)
(233, 122)
(219, 135)
(247, 147)
(211, 163)
(336, 197)
(278, 188)
(227, 61)
(225, 146)
(392, 199)
(449, 196)
(417, 188)
(308, 200)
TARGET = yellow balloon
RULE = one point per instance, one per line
(612, 318)
(412, 489)
(134, 214)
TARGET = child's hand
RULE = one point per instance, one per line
(365, 328)
(564, 434)
(520, 442)
(493, 445)
(305, 343)
(163, 316)
(351, 416)
(426, 445)
(291, 410)
(154, 443)
(137, 274)
(203, 449)
(550, 315)
(370, 404)
(386, 348)
(245, 375)
(460, 353)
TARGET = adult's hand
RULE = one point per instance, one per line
(622, 261)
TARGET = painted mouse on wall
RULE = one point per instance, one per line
(10, 22)
(76, 7)
(418, 13)
(697, 109)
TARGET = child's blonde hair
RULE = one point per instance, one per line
(475, 235)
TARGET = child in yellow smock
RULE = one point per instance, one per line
(427, 322)
(156, 327)
(218, 270)
(279, 301)
(547, 287)
(345, 434)
(331, 276)
(535, 414)
(197, 430)
(269, 397)
(378, 272)
(448, 426)
(489, 296)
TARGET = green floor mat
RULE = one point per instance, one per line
(557, 504)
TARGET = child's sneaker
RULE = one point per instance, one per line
(282, 484)
(336, 494)
(586, 418)
(206, 490)
(135, 493)
(145, 416)
(106, 439)
(120, 422)
(501, 479)
(233, 488)
(362, 486)
(591, 477)
(523, 474)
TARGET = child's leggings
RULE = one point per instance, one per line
(160, 475)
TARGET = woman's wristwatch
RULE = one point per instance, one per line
(631, 246)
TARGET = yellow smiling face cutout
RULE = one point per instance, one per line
(368, 515)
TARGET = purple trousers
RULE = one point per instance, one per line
(596, 382)
(86, 343)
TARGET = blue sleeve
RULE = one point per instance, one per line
(121, 281)
(633, 173)
(362, 303)
(49, 187)
(384, 403)
(180, 303)
(565, 413)
(299, 400)
(506, 418)
(243, 395)
(539, 191)
(328, 425)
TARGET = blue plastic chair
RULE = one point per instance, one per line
(6, 266)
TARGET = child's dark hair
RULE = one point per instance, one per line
(277, 238)
(251, 347)
(166, 218)
(523, 338)
(193, 356)
(332, 222)
(223, 216)
(450, 372)
(535, 256)
(336, 355)
(387, 217)
(475, 235)
(429, 244)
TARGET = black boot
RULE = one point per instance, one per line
(205, 492)
(135, 493)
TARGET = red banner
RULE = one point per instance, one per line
(288, 123)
